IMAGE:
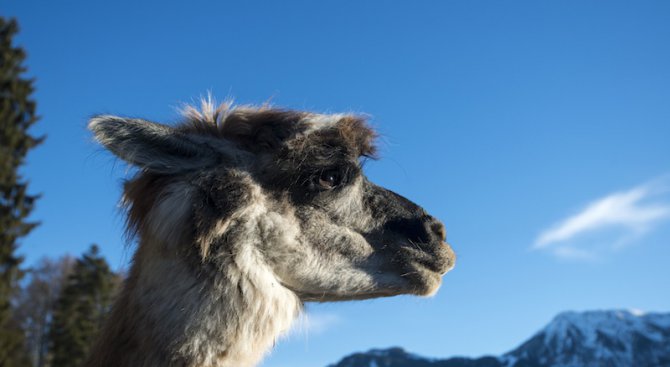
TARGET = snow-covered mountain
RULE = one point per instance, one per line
(572, 339)
(598, 338)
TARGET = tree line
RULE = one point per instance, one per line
(61, 308)
(51, 312)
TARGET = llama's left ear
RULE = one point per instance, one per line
(152, 146)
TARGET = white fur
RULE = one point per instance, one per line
(317, 122)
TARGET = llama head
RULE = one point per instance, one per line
(279, 194)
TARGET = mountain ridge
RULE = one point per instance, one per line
(613, 338)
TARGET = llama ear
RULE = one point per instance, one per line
(151, 146)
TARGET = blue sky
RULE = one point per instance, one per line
(537, 131)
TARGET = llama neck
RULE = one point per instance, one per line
(257, 310)
(227, 315)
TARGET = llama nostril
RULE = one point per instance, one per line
(439, 230)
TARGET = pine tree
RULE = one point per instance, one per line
(81, 308)
(17, 114)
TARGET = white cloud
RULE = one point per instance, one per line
(618, 219)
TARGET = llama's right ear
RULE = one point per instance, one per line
(151, 146)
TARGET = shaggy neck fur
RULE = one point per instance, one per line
(180, 310)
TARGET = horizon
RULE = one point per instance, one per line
(537, 132)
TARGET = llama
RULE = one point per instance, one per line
(241, 215)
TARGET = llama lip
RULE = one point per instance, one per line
(423, 280)
(437, 267)
(438, 259)
(449, 255)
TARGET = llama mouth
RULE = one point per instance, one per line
(425, 269)
(438, 259)
(422, 280)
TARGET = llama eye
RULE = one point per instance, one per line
(329, 180)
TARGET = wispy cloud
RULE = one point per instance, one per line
(621, 218)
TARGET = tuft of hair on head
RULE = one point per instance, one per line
(254, 127)
(355, 129)
(210, 112)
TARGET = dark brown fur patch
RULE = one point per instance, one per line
(140, 195)
(265, 128)
(256, 129)
(358, 134)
